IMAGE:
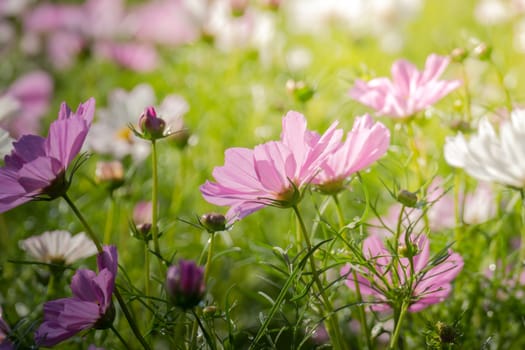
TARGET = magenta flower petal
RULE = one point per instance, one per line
(36, 166)
(272, 173)
(410, 90)
(90, 306)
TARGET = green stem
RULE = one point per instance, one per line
(80, 217)
(332, 324)
(522, 247)
(116, 292)
(360, 308)
(398, 322)
(210, 255)
(146, 269)
(468, 109)
(109, 221)
(154, 194)
(209, 339)
(130, 319)
(119, 337)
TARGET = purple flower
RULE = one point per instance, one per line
(90, 306)
(365, 144)
(272, 173)
(185, 284)
(427, 283)
(36, 167)
(5, 344)
(410, 90)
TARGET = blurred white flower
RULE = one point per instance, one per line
(5, 143)
(490, 157)
(480, 205)
(491, 12)
(59, 247)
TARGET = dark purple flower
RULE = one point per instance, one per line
(36, 167)
(90, 306)
(185, 284)
(5, 344)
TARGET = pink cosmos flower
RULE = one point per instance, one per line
(429, 282)
(90, 306)
(366, 143)
(36, 167)
(27, 100)
(410, 90)
(272, 173)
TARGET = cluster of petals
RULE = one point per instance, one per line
(410, 90)
(422, 285)
(59, 247)
(272, 172)
(90, 306)
(489, 156)
(36, 166)
(366, 143)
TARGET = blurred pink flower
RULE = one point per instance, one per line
(273, 173)
(410, 90)
(365, 144)
(164, 22)
(427, 283)
(135, 56)
(36, 166)
(28, 99)
(90, 306)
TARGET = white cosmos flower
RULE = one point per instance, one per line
(489, 156)
(59, 246)
(5, 143)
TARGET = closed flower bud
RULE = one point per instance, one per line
(459, 54)
(407, 198)
(110, 173)
(213, 222)
(301, 91)
(185, 284)
(151, 126)
(482, 51)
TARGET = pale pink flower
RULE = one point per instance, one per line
(273, 173)
(27, 101)
(366, 143)
(427, 283)
(138, 57)
(410, 90)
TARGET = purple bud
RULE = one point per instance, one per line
(151, 126)
(185, 284)
(213, 222)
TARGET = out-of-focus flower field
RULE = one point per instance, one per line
(210, 167)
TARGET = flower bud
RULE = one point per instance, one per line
(238, 7)
(142, 218)
(106, 321)
(185, 284)
(482, 51)
(110, 173)
(459, 54)
(213, 222)
(408, 251)
(151, 126)
(301, 91)
(407, 198)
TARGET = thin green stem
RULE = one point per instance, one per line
(360, 308)
(131, 320)
(522, 247)
(211, 244)
(109, 221)
(154, 198)
(209, 339)
(80, 217)
(147, 278)
(120, 337)
(398, 322)
(332, 324)
(468, 108)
